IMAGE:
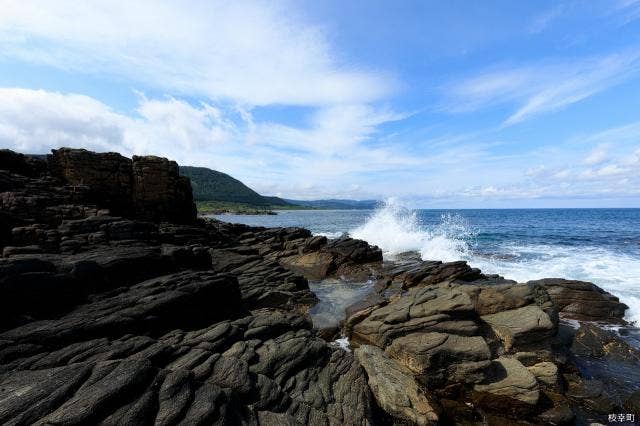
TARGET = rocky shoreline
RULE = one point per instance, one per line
(120, 306)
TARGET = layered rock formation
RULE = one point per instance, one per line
(110, 319)
(117, 306)
(145, 187)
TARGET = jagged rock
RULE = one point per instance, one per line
(583, 300)
(270, 361)
(100, 394)
(430, 272)
(632, 404)
(21, 164)
(496, 298)
(395, 389)
(108, 176)
(29, 395)
(435, 309)
(316, 265)
(342, 257)
(592, 341)
(178, 300)
(110, 316)
(589, 394)
(42, 285)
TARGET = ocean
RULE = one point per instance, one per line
(597, 245)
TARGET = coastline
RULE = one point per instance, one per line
(135, 299)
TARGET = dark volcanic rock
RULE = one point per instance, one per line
(159, 192)
(115, 320)
(342, 257)
(117, 306)
(146, 187)
(592, 341)
(108, 176)
(583, 300)
(21, 164)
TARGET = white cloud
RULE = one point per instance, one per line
(330, 130)
(561, 174)
(628, 134)
(612, 170)
(597, 155)
(35, 120)
(303, 162)
(235, 55)
(248, 52)
(323, 157)
(541, 88)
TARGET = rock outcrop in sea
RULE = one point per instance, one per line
(118, 305)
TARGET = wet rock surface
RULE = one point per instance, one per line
(394, 388)
(583, 301)
(490, 350)
(125, 308)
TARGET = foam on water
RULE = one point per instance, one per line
(618, 273)
(343, 343)
(396, 229)
(335, 296)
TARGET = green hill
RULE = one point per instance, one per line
(215, 191)
(218, 190)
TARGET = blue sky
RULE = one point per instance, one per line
(440, 104)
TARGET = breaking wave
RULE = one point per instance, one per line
(396, 229)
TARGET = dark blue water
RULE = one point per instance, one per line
(598, 245)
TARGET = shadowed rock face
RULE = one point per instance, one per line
(107, 176)
(117, 306)
(394, 388)
(112, 319)
(582, 300)
(159, 192)
(146, 187)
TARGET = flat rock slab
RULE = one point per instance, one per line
(430, 355)
(521, 326)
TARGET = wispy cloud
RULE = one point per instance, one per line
(232, 56)
(628, 10)
(605, 162)
(597, 155)
(297, 161)
(541, 88)
(248, 52)
(324, 155)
